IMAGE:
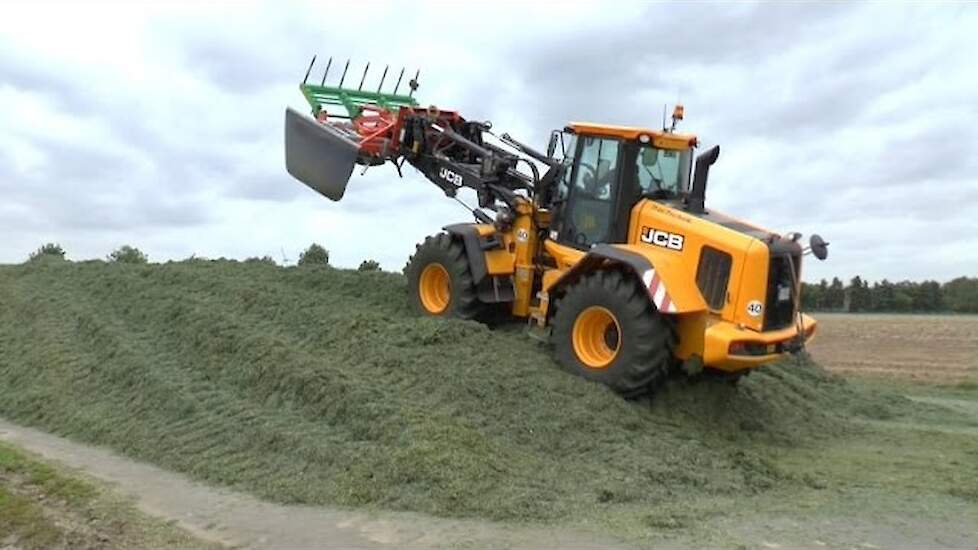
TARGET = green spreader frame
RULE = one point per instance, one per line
(320, 97)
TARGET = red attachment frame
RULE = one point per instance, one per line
(379, 129)
(376, 127)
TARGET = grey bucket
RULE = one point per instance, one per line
(318, 155)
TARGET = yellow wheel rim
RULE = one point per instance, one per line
(435, 288)
(597, 337)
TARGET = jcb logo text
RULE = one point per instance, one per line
(672, 241)
(450, 176)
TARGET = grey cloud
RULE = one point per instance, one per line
(53, 83)
(266, 187)
(801, 82)
(82, 188)
(595, 71)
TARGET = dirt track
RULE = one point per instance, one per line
(239, 520)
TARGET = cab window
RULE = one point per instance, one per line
(570, 151)
(662, 171)
(590, 207)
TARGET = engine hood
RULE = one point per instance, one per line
(743, 252)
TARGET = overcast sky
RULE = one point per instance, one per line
(160, 125)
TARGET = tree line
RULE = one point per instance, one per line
(958, 295)
(126, 254)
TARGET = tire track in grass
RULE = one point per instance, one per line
(316, 386)
(232, 287)
(362, 469)
(241, 358)
(100, 332)
(289, 493)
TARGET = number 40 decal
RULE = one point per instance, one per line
(754, 308)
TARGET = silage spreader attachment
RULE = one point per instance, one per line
(370, 128)
(321, 152)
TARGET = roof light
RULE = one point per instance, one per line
(678, 111)
(644, 138)
(677, 115)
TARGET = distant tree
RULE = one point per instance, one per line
(835, 295)
(263, 260)
(49, 250)
(369, 265)
(810, 296)
(902, 300)
(928, 296)
(126, 254)
(314, 255)
(961, 295)
(860, 298)
(884, 296)
(823, 291)
(194, 258)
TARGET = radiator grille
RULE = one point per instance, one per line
(712, 276)
(780, 308)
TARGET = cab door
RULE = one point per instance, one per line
(589, 194)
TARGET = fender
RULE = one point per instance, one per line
(491, 264)
(666, 288)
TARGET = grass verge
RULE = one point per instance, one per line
(44, 507)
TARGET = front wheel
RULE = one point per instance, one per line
(606, 329)
(440, 281)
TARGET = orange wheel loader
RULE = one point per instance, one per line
(602, 243)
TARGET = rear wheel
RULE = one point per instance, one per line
(435, 288)
(605, 329)
(440, 281)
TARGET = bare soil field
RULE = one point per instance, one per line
(940, 349)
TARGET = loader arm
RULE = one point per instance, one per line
(378, 127)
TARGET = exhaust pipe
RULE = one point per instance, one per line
(697, 195)
(319, 155)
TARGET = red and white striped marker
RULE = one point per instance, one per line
(657, 291)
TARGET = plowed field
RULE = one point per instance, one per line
(929, 348)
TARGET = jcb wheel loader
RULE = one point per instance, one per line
(610, 252)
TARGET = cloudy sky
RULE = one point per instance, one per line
(160, 125)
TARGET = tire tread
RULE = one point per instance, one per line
(649, 338)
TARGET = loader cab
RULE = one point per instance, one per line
(607, 169)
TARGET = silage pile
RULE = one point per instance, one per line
(316, 385)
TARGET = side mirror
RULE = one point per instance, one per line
(552, 146)
(818, 246)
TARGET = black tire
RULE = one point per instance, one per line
(644, 341)
(449, 253)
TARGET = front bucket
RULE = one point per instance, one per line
(318, 155)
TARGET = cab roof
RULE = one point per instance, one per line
(659, 138)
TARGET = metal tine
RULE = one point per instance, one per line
(309, 70)
(364, 77)
(326, 72)
(399, 77)
(414, 82)
(342, 78)
(382, 77)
